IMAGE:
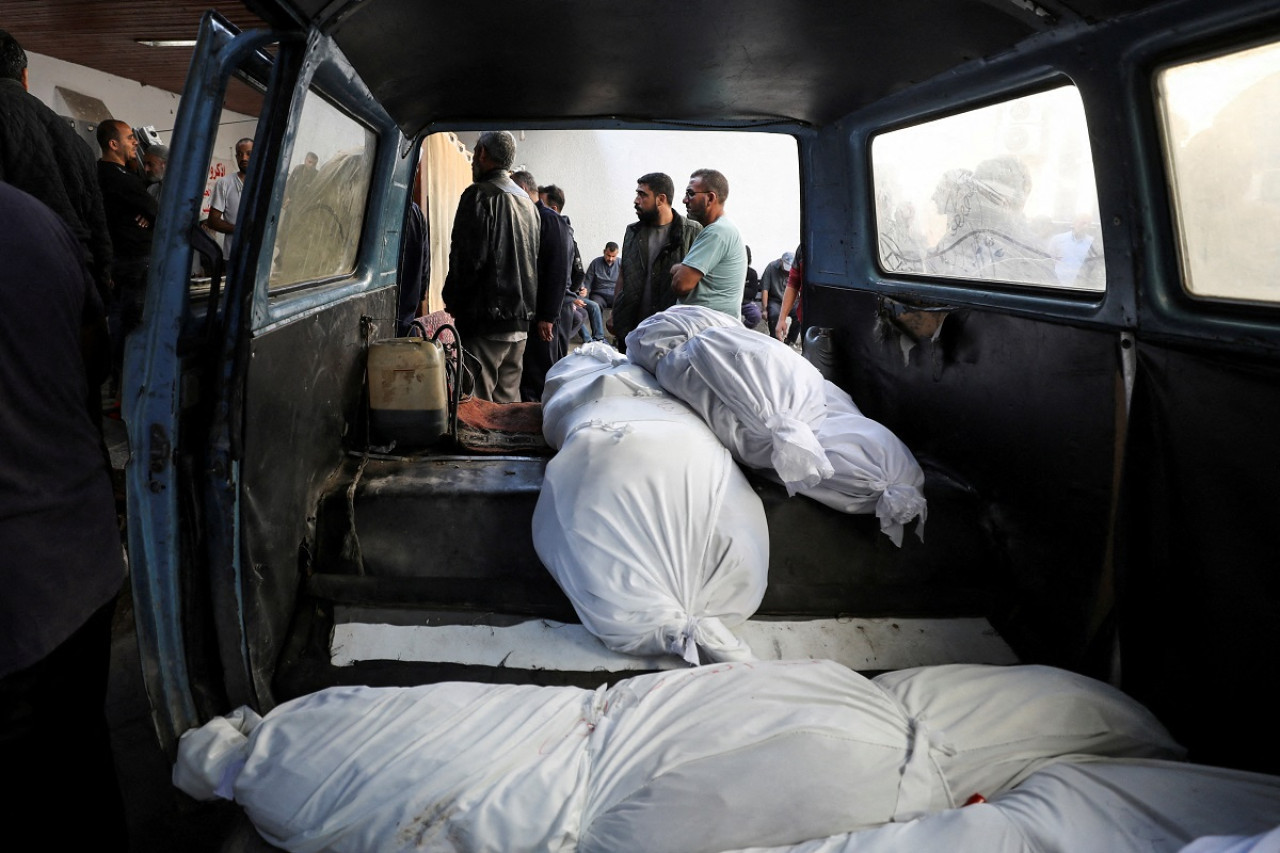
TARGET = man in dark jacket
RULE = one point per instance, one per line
(555, 265)
(492, 283)
(415, 259)
(651, 246)
(40, 154)
(131, 217)
(59, 535)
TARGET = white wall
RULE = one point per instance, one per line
(597, 169)
(129, 101)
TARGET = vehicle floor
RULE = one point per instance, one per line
(387, 551)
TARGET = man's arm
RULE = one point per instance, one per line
(217, 223)
(784, 316)
(684, 279)
(217, 204)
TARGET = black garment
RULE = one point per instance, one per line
(415, 267)
(130, 210)
(55, 739)
(555, 263)
(131, 216)
(752, 287)
(556, 250)
(565, 327)
(493, 258)
(58, 529)
(61, 565)
(644, 294)
(41, 155)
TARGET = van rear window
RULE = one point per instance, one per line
(1221, 120)
(1002, 193)
(324, 196)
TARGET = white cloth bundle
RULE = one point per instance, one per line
(873, 469)
(588, 375)
(775, 412)
(705, 759)
(660, 333)
(762, 399)
(992, 719)
(644, 520)
(1263, 842)
(1117, 805)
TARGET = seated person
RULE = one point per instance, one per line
(588, 318)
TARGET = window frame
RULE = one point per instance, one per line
(984, 85)
(878, 136)
(1171, 184)
(326, 74)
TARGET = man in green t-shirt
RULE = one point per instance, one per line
(714, 269)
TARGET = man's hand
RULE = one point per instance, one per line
(781, 331)
(545, 330)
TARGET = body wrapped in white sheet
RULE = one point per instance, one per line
(991, 721)
(873, 471)
(644, 520)
(659, 334)
(707, 759)
(762, 399)
(775, 412)
(1263, 842)
(1113, 805)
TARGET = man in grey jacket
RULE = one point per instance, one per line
(492, 285)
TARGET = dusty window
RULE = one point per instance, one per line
(1221, 124)
(324, 196)
(1002, 193)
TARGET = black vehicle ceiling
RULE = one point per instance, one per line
(811, 61)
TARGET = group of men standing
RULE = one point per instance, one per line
(514, 267)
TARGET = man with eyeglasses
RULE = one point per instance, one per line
(659, 238)
(714, 269)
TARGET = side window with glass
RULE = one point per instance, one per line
(1003, 193)
(1221, 121)
(325, 195)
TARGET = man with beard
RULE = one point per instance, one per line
(492, 284)
(714, 268)
(650, 248)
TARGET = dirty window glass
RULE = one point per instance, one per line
(1221, 121)
(324, 196)
(1002, 193)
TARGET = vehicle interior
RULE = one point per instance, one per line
(1099, 476)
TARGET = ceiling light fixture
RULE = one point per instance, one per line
(167, 42)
